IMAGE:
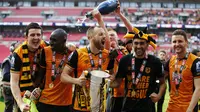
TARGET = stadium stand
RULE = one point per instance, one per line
(160, 17)
(4, 52)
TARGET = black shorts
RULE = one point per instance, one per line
(52, 108)
(138, 105)
(116, 104)
(8, 99)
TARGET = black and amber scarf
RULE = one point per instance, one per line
(28, 72)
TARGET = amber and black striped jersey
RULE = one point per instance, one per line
(180, 102)
(80, 61)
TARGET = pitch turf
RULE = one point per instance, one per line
(2, 106)
(164, 105)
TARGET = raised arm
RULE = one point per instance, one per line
(100, 21)
(126, 22)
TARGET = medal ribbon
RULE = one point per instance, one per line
(92, 61)
(55, 72)
(178, 74)
(135, 79)
(120, 54)
(120, 51)
(34, 63)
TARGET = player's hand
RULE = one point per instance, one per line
(24, 107)
(81, 81)
(113, 44)
(96, 14)
(155, 97)
(118, 11)
(112, 78)
(189, 110)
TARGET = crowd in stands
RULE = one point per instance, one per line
(151, 13)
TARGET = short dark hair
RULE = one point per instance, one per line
(127, 41)
(163, 51)
(180, 32)
(13, 46)
(195, 51)
(120, 42)
(33, 26)
(59, 33)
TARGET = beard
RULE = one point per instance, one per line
(99, 45)
(139, 52)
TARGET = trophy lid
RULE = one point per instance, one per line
(99, 73)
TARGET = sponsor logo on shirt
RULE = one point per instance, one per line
(12, 61)
(198, 67)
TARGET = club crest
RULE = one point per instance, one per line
(147, 69)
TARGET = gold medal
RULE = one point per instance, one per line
(133, 93)
(51, 85)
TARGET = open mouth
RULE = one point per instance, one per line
(103, 41)
(178, 49)
(35, 42)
